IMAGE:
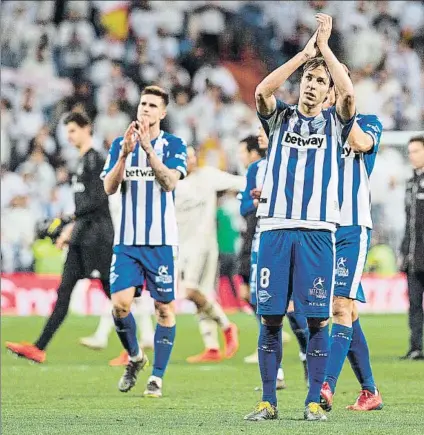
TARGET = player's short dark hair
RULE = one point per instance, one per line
(158, 91)
(252, 144)
(316, 62)
(419, 138)
(81, 119)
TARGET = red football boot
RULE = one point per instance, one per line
(326, 397)
(121, 360)
(27, 350)
(231, 340)
(367, 401)
(207, 356)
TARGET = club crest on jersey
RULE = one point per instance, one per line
(318, 290)
(163, 276)
(341, 269)
(135, 173)
(313, 141)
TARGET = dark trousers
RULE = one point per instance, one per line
(416, 312)
(80, 263)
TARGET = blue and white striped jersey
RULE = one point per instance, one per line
(147, 212)
(254, 179)
(355, 172)
(301, 181)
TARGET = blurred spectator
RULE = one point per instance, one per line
(39, 173)
(17, 223)
(387, 192)
(28, 119)
(118, 88)
(74, 40)
(111, 123)
(61, 203)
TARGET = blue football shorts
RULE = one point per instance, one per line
(352, 244)
(132, 266)
(297, 264)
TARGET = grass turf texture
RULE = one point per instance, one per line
(75, 391)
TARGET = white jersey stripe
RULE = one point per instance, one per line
(363, 249)
(141, 204)
(315, 201)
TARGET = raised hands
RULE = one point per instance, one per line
(130, 140)
(143, 133)
(325, 24)
(311, 49)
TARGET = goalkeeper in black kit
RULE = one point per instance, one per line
(89, 235)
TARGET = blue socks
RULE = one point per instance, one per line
(299, 326)
(359, 357)
(341, 337)
(316, 357)
(164, 342)
(127, 333)
(270, 352)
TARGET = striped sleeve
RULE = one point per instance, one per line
(112, 157)
(176, 157)
(268, 121)
(371, 125)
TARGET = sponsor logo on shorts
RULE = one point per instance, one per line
(318, 290)
(164, 290)
(313, 141)
(341, 269)
(163, 275)
(263, 296)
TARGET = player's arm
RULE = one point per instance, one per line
(345, 105)
(65, 235)
(366, 134)
(266, 102)
(222, 180)
(247, 204)
(167, 175)
(113, 172)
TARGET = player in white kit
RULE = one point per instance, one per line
(196, 208)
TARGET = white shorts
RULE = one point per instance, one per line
(198, 270)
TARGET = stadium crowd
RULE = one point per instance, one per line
(94, 57)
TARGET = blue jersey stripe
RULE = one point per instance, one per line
(326, 173)
(162, 214)
(291, 175)
(341, 163)
(276, 168)
(134, 192)
(124, 211)
(355, 188)
(149, 210)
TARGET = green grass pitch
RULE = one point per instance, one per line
(75, 392)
